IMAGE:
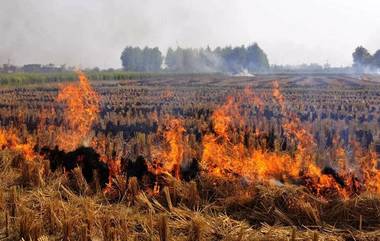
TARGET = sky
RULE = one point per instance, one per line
(89, 33)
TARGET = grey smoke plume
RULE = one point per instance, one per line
(94, 32)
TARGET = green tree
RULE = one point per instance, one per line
(256, 59)
(146, 60)
(152, 59)
(170, 59)
(376, 59)
(362, 58)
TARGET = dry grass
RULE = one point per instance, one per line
(56, 207)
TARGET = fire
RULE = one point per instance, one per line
(81, 111)
(226, 157)
(304, 161)
(294, 128)
(278, 95)
(370, 172)
(251, 98)
(167, 94)
(168, 158)
(10, 140)
(223, 117)
(223, 156)
(3, 138)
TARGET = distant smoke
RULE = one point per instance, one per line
(94, 32)
(367, 69)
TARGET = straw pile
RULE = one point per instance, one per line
(56, 208)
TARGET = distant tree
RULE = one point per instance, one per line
(146, 60)
(234, 59)
(229, 59)
(131, 58)
(175, 60)
(256, 59)
(210, 60)
(376, 59)
(362, 58)
(152, 59)
(189, 60)
(170, 59)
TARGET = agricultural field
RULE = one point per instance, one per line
(191, 157)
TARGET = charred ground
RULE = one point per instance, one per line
(339, 112)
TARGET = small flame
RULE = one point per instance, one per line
(10, 140)
(167, 94)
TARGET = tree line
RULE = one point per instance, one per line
(141, 60)
(365, 61)
(196, 60)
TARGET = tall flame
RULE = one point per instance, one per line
(81, 111)
(371, 173)
(293, 128)
(168, 158)
(304, 161)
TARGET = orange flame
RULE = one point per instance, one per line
(167, 94)
(370, 172)
(304, 160)
(278, 95)
(10, 140)
(170, 158)
(81, 111)
(223, 156)
(3, 139)
(227, 157)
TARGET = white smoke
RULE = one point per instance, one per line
(94, 32)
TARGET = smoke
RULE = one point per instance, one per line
(214, 63)
(364, 69)
(92, 33)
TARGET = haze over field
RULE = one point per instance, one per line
(94, 32)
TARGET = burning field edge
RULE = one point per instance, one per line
(46, 206)
(67, 189)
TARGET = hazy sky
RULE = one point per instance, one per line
(94, 32)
